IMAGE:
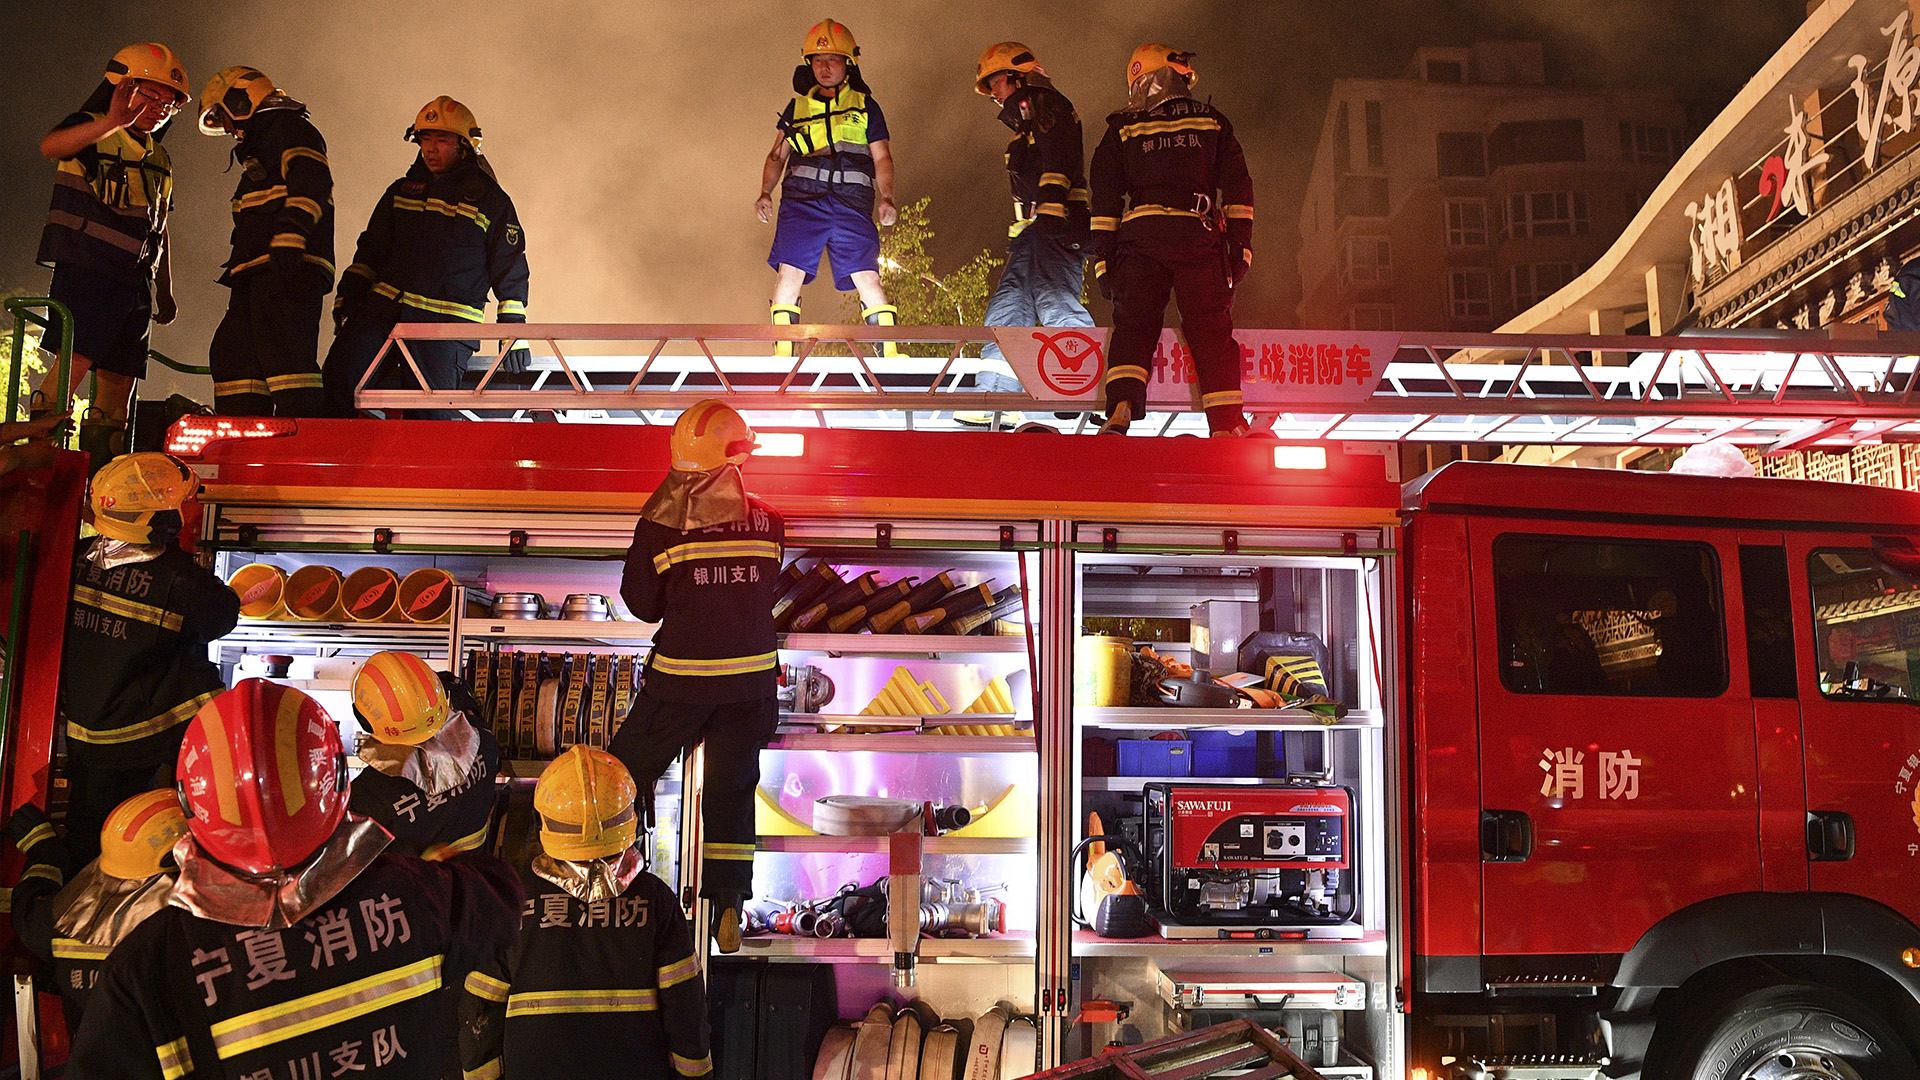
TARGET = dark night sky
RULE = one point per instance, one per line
(631, 135)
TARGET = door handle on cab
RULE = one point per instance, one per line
(1505, 836)
(1829, 836)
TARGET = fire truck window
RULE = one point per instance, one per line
(1609, 617)
(1769, 602)
(1866, 626)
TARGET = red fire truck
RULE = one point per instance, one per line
(1615, 773)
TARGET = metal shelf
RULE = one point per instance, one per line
(903, 644)
(906, 742)
(998, 949)
(877, 845)
(1371, 943)
(606, 631)
(1134, 783)
(1160, 719)
(371, 635)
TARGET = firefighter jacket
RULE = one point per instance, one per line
(1044, 158)
(135, 665)
(72, 929)
(437, 244)
(110, 206)
(607, 986)
(436, 798)
(711, 590)
(831, 143)
(285, 195)
(1172, 173)
(353, 988)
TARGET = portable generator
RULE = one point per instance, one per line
(1256, 860)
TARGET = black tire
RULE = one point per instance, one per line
(1797, 1031)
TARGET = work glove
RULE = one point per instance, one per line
(344, 303)
(1242, 260)
(1103, 279)
(1050, 226)
(285, 264)
(24, 821)
(519, 357)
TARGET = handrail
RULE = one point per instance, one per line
(21, 309)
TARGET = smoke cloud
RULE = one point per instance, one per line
(631, 136)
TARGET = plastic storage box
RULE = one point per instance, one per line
(1225, 753)
(1155, 757)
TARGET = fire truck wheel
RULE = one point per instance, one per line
(1798, 1032)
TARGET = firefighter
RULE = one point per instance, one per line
(73, 928)
(135, 668)
(293, 943)
(603, 980)
(264, 352)
(703, 564)
(1172, 215)
(106, 233)
(833, 163)
(440, 237)
(430, 769)
(1042, 282)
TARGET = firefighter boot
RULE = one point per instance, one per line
(1119, 418)
(784, 315)
(724, 911)
(102, 438)
(883, 315)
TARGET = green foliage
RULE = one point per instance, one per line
(925, 298)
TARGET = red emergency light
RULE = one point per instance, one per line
(780, 444)
(1299, 457)
(192, 434)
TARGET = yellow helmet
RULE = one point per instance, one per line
(1151, 57)
(232, 96)
(152, 62)
(585, 802)
(709, 435)
(139, 834)
(1006, 56)
(828, 36)
(133, 494)
(445, 114)
(398, 699)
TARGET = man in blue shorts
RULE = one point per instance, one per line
(106, 233)
(832, 152)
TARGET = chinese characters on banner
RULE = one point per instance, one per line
(1618, 775)
(1277, 367)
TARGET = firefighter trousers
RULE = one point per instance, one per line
(1041, 286)
(362, 338)
(655, 734)
(94, 791)
(1145, 275)
(263, 354)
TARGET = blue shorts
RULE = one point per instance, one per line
(112, 320)
(823, 223)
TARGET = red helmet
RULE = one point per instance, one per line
(263, 777)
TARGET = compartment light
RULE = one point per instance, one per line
(780, 444)
(1299, 457)
(192, 434)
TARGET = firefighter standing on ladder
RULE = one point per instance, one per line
(704, 563)
(293, 942)
(440, 238)
(1172, 215)
(264, 354)
(832, 161)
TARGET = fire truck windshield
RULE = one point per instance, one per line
(1866, 626)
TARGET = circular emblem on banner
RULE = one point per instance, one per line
(1070, 361)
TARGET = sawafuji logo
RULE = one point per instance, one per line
(1202, 806)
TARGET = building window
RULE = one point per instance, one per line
(1529, 284)
(1463, 153)
(1547, 213)
(1466, 223)
(1530, 142)
(1369, 261)
(1342, 142)
(1370, 317)
(1470, 293)
(1376, 138)
(1650, 143)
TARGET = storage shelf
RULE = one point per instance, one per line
(906, 742)
(1134, 783)
(1086, 943)
(1000, 948)
(610, 631)
(375, 635)
(877, 845)
(903, 644)
(1240, 719)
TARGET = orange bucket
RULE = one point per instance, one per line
(372, 594)
(262, 590)
(313, 594)
(427, 595)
